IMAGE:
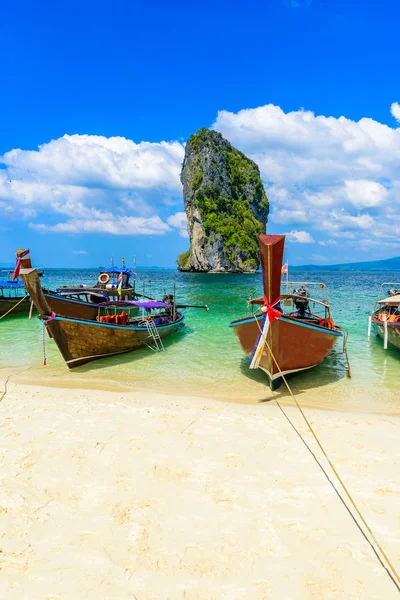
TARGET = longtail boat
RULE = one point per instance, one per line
(294, 330)
(82, 302)
(82, 341)
(385, 317)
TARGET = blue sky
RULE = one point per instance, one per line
(90, 90)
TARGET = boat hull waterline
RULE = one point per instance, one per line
(393, 332)
(288, 338)
(81, 342)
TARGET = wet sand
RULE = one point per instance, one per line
(120, 495)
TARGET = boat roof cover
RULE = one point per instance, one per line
(116, 270)
(11, 284)
(394, 300)
(148, 304)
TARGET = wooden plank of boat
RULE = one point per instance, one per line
(296, 345)
(292, 344)
(83, 341)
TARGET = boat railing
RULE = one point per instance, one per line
(383, 295)
(315, 289)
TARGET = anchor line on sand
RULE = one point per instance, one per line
(4, 392)
(374, 544)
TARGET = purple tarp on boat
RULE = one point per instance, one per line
(147, 304)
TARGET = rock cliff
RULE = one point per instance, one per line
(225, 203)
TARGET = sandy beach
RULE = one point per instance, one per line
(161, 497)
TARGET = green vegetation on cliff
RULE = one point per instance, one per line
(183, 260)
(232, 215)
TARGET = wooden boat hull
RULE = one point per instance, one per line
(7, 304)
(393, 332)
(73, 309)
(295, 345)
(83, 341)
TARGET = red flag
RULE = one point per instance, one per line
(284, 268)
(18, 265)
(17, 268)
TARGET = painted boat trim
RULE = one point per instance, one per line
(299, 323)
(111, 325)
(380, 323)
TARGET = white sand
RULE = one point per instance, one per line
(144, 496)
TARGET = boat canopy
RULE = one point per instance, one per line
(116, 270)
(148, 304)
(13, 285)
(392, 300)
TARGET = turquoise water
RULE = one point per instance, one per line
(205, 358)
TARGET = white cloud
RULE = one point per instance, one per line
(323, 175)
(333, 175)
(302, 237)
(395, 110)
(99, 162)
(179, 221)
(109, 185)
(79, 252)
(115, 226)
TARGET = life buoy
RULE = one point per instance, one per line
(104, 278)
(328, 323)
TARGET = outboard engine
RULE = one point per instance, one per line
(169, 299)
(125, 280)
(301, 302)
(394, 292)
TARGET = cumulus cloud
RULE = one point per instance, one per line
(335, 175)
(179, 220)
(115, 226)
(395, 110)
(325, 176)
(302, 237)
(82, 176)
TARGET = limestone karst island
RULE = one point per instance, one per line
(226, 206)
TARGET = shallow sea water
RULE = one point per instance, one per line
(205, 358)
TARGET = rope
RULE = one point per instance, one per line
(15, 306)
(394, 577)
(44, 343)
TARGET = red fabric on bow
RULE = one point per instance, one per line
(270, 309)
(17, 268)
(51, 318)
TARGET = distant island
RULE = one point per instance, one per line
(389, 264)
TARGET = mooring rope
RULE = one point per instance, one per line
(15, 306)
(394, 575)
